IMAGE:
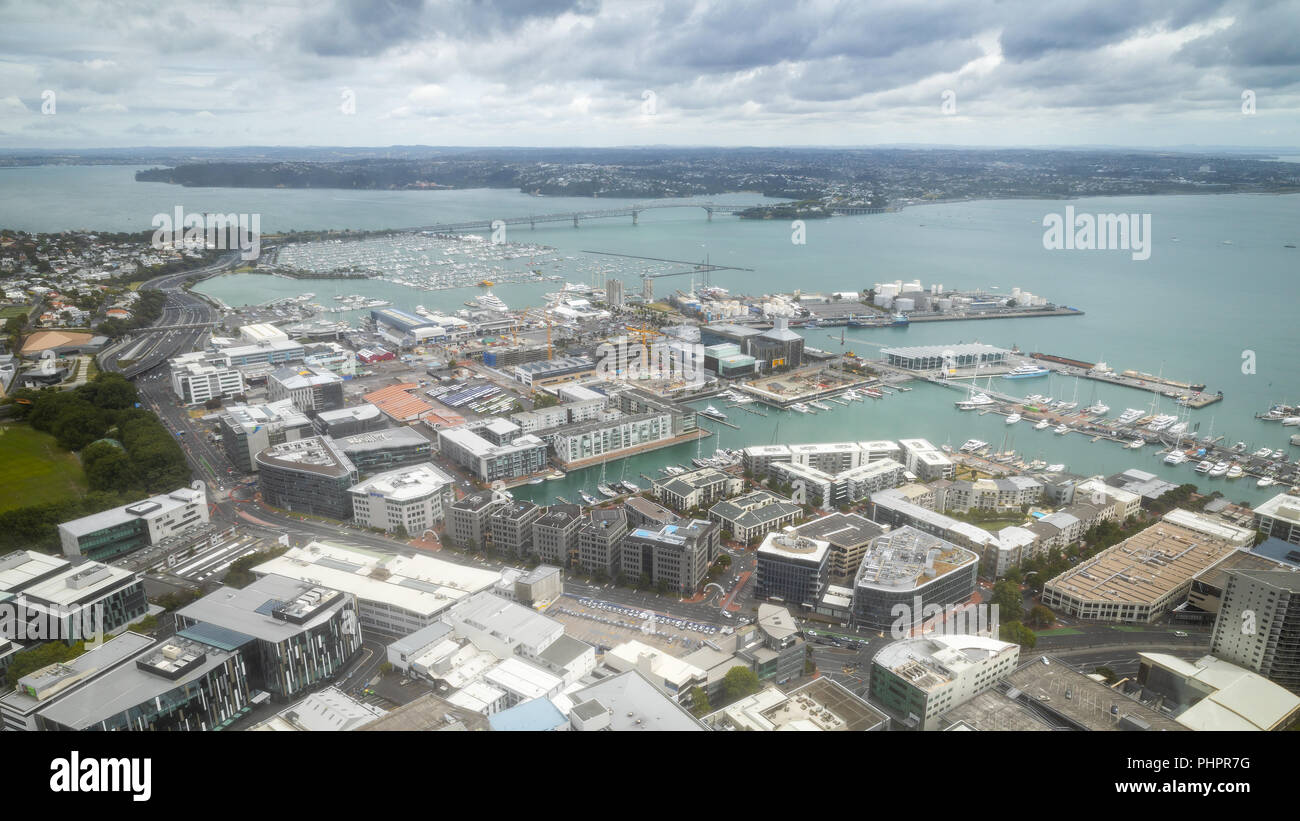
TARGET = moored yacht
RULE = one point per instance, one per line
(1099, 409)
(1061, 429)
(1204, 467)
(1175, 457)
(1043, 425)
(972, 445)
(1129, 416)
(1025, 372)
(1013, 418)
(1234, 472)
(979, 400)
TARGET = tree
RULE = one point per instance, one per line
(1108, 674)
(738, 683)
(700, 702)
(1041, 616)
(53, 652)
(1006, 595)
(1017, 633)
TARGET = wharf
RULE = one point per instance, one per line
(1186, 393)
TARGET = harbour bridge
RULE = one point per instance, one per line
(633, 211)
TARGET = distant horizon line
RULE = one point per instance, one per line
(1182, 148)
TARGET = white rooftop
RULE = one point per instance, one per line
(404, 484)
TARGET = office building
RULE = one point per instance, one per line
(57, 600)
(396, 595)
(628, 702)
(917, 570)
(310, 389)
(792, 569)
(1258, 626)
(195, 381)
(472, 447)
(600, 543)
(247, 430)
(675, 557)
(121, 530)
(1279, 518)
(697, 489)
(894, 507)
(412, 499)
(307, 476)
(468, 519)
(820, 705)
(849, 536)
(753, 515)
(1137, 580)
(614, 293)
(292, 634)
(512, 528)
(42, 688)
(386, 449)
(350, 421)
(179, 685)
(919, 679)
(555, 534)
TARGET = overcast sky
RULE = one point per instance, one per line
(607, 72)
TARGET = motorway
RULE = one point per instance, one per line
(145, 350)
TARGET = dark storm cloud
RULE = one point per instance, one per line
(1035, 29)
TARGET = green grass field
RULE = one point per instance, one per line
(34, 469)
(13, 310)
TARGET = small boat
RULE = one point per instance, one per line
(713, 412)
(1234, 472)
(973, 445)
(1043, 425)
(1013, 418)
(587, 497)
(800, 407)
(1057, 468)
(1204, 467)
(819, 405)
(946, 448)
(1263, 453)
(606, 491)
(1175, 457)
(1136, 443)
(1061, 429)
(1219, 469)
(537, 481)
(979, 400)
(1099, 409)
(1291, 421)
(702, 462)
(1129, 416)
(1265, 481)
(555, 474)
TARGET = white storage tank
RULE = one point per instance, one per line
(945, 305)
(904, 304)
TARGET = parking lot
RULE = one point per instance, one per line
(606, 624)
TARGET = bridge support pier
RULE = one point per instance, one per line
(575, 220)
(634, 216)
(709, 211)
(532, 226)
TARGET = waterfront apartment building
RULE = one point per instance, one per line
(600, 542)
(1279, 518)
(1139, 579)
(676, 556)
(1258, 626)
(912, 568)
(990, 495)
(633, 401)
(919, 679)
(697, 488)
(832, 490)
(555, 534)
(830, 457)
(755, 514)
(849, 535)
(609, 437)
(247, 430)
(309, 389)
(121, 530)
(792, 569)
(413, 499)
(292, 634)
(924, 461)
(195, 380)
(512, 528)
(558, 416)
(307, 476)
(469, 519)
(493, 450)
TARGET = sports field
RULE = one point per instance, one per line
(34, 469)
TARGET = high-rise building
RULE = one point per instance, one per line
(614, 293)
(247, 430)
(1259, 624)
(793, 569)
(309, 476)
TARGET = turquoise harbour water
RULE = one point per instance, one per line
(1190, 310)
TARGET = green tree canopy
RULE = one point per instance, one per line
(738, 683)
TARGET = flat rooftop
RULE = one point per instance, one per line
(1089, 703)
(931, 662)
(1143, 568)
(1283, 506)
(23, 568)
(841, 529)
(248, 611)
(404, 484)
(906, 558)
(315, 454)
(154, 506)
(634, 703)
(794, 546)
(79, 583)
